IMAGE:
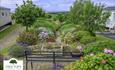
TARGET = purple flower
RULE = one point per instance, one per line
(57, 66)
(43, 35)
(110, 51)
(54, 67)
(60, 65)
(114, 54)
(80, 48)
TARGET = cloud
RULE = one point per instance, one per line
(57, 5)
(51, 5)
(10, 3)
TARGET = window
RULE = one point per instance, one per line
(3, 14)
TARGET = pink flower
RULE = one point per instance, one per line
(110, 51)
(114, 54)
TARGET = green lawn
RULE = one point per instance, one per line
(8, 30)
(4, 51)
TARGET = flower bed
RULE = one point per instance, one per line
(100, 61)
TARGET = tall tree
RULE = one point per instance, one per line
(27, 13)
(89, 15)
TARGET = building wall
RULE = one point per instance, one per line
(5, 16)
(111, 21)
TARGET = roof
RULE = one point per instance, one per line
(110, 8)
(4, 8)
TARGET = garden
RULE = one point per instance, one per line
(73, 31)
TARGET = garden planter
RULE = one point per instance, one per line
(51, 39)
(76, 54)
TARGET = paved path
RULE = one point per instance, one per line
(10, 39)
(107, 34)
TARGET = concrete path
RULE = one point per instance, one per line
(10, 39)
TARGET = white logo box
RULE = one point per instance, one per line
(13, 64)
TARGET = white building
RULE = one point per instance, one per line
(111, 22)
(5, 17)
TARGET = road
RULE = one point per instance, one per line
(107, 34)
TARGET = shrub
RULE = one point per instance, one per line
(100, 61)
(81, 34)
(73, 45)
(27, 38)
(68, 38)
(99, 46)
(87, 39)
(18, 51)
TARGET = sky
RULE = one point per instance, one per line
(51, 5)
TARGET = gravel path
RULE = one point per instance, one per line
(10, 39)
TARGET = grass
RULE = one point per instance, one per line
(5, 51)
(102, 38)
(8, 30)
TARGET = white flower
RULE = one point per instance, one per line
(80, 48)
(91, 54)
(105, 50)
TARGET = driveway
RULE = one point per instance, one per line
(107, 34)
(10, 39)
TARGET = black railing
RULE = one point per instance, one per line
(50, 56)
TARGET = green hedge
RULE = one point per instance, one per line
(81, 34)
(18, 51)
(100, 61)
(87, 39)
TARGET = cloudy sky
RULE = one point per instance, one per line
(51, 5)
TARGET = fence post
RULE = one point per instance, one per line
(31, 65)
(26, 61)
(54, 58)
(54, 62)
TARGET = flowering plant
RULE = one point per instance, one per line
(100, 61)
(109, 51)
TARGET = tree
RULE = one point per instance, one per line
(89, 15)
(27, 13)
(61, 16)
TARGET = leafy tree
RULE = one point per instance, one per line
(13, 61)
(89, 15)
(27, 13)
(61, 17)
